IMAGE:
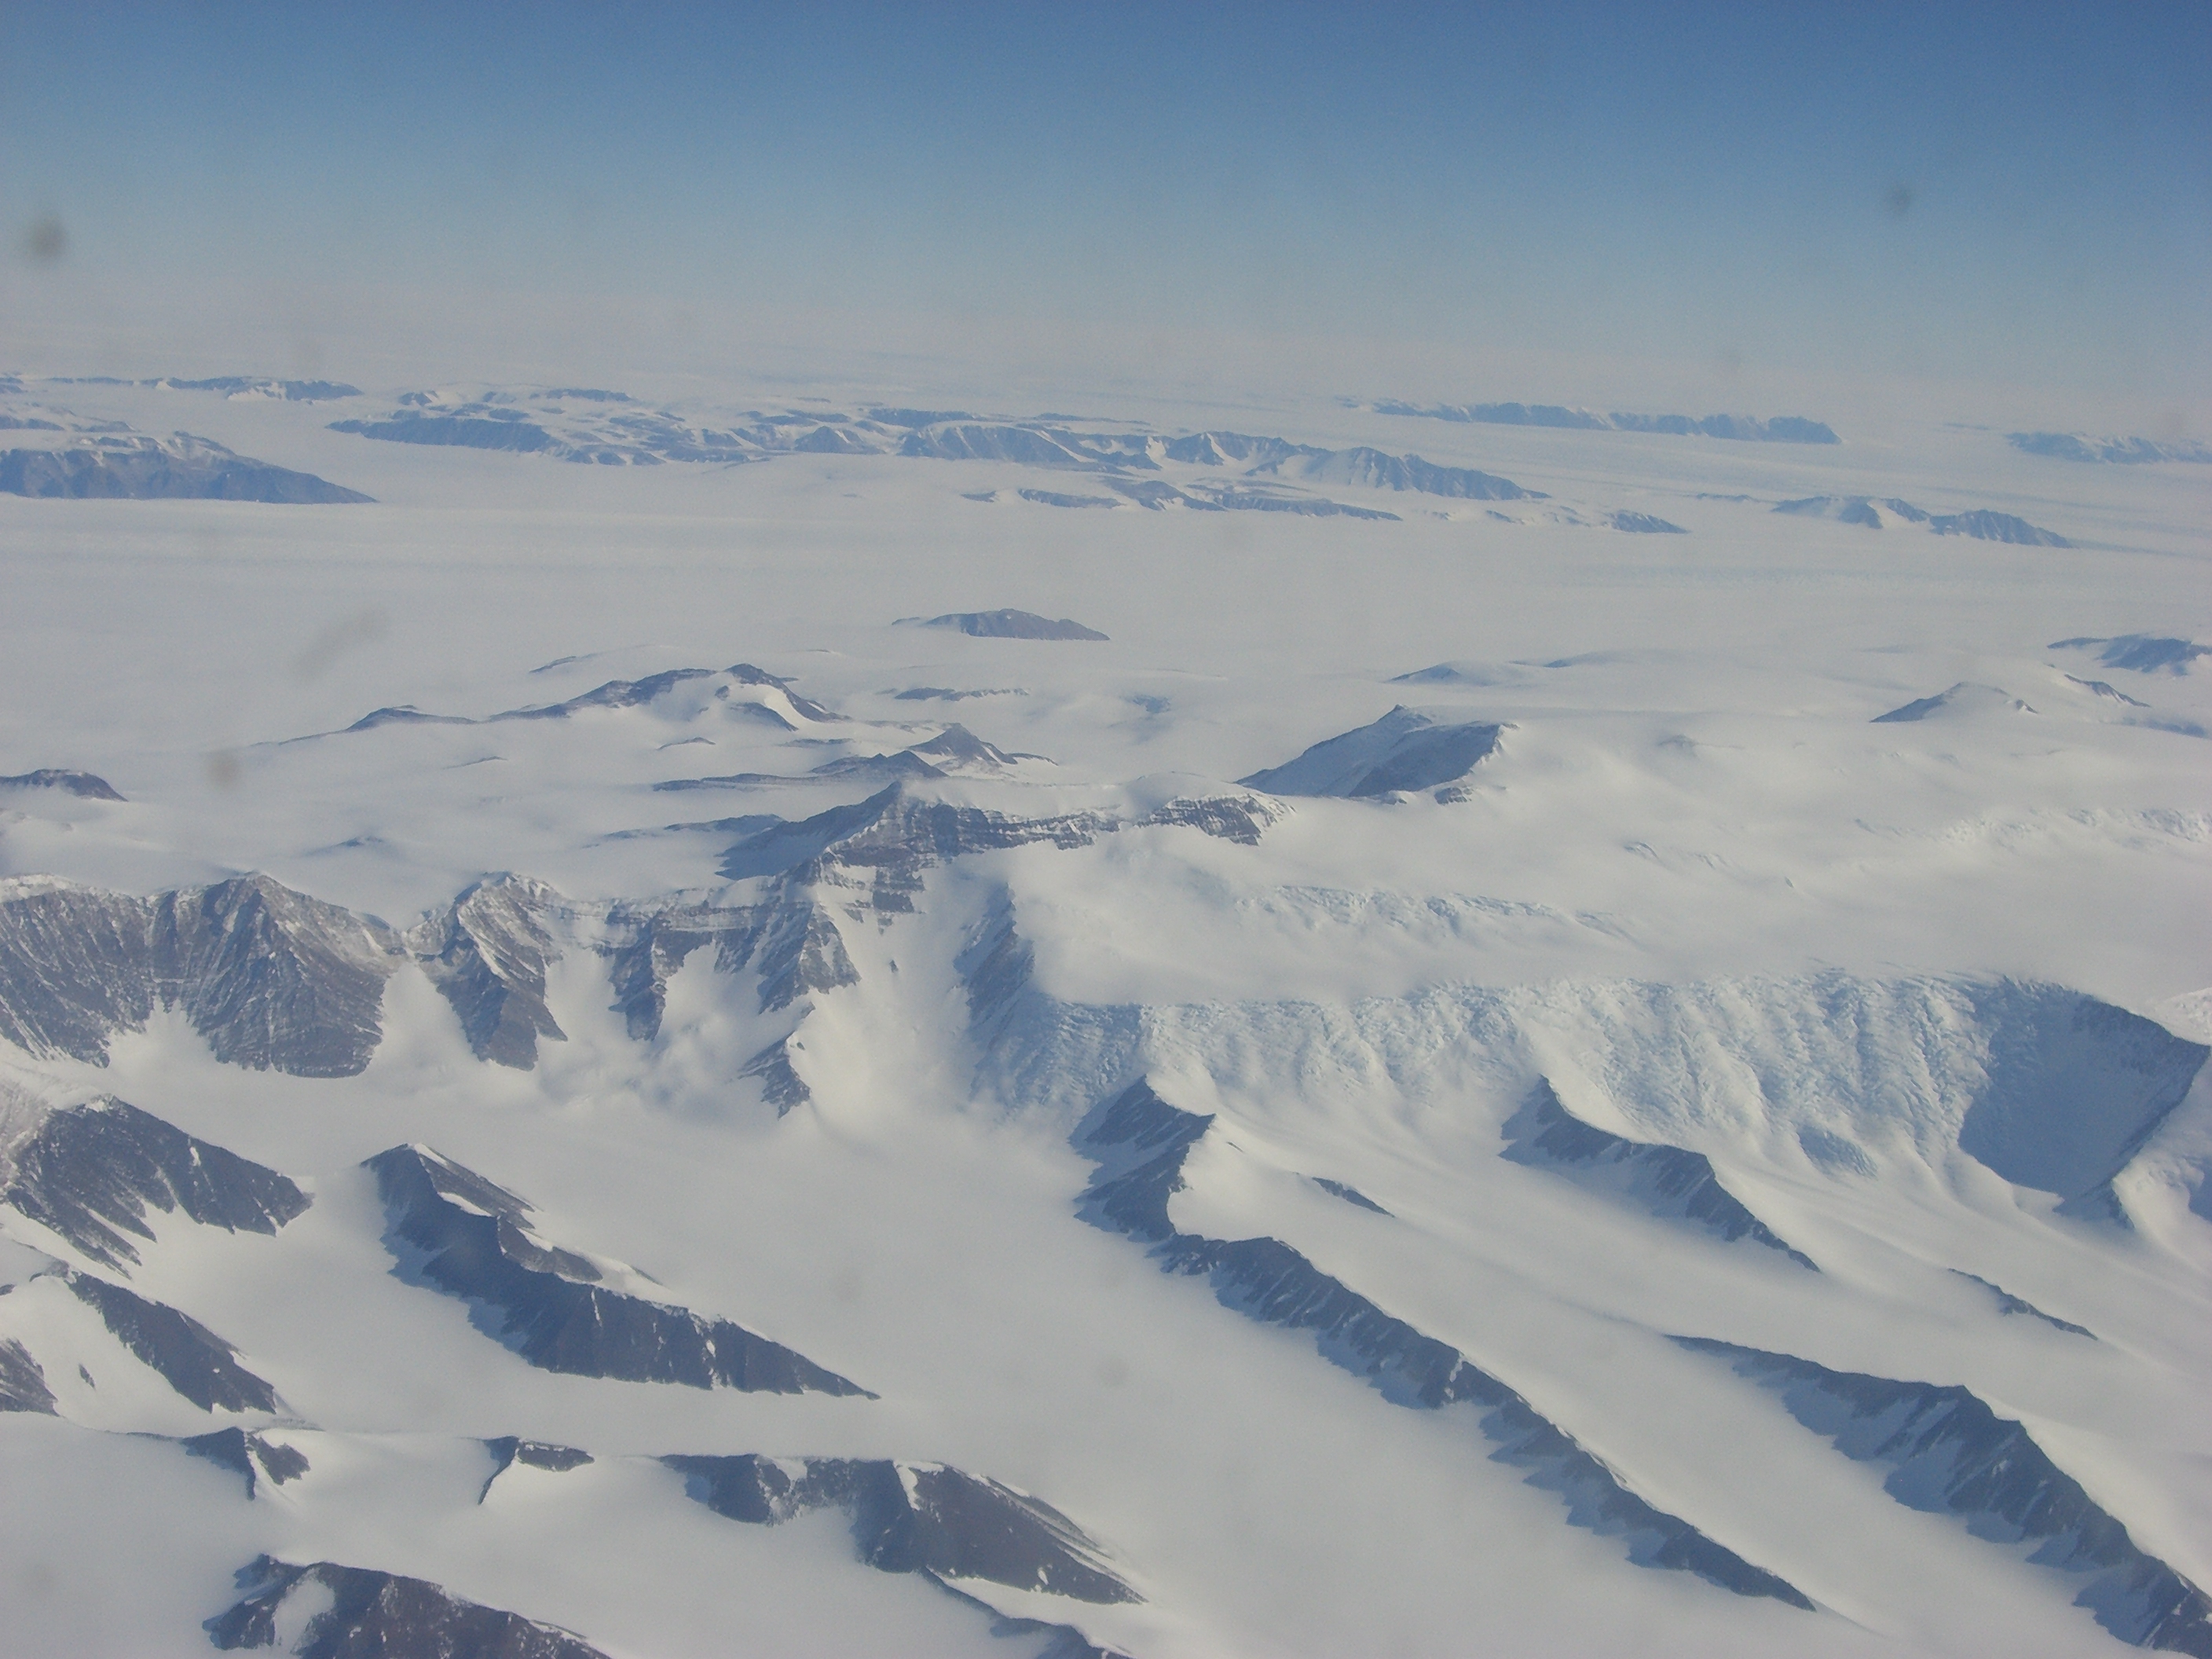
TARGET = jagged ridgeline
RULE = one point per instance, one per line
(563, 1311)
(1947, 1452)
(1141, 1143)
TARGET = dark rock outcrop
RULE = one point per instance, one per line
(271, 978)
(1984, 525)
(254, 1456)
(1949, 1454)
(488, 958)
(1666, 1181)
(189, 1357)
(1010, 625)
(1140, 1142)
(182, 468)
(2144, 653)
(455, 1230)
(1964, 697)
(506, 1450)
(915, 1517)
(91, 1173)
(2126, 452)
(2008, 1304)
(1404, 750)
(894, 835)
(373, 1614)
(1351, 1195)
(81, 784)
(22, 1384)
(1980, 523)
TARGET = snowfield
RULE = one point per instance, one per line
(773, 1042)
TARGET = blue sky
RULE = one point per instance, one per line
(2010, 193)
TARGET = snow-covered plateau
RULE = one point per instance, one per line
(1185, 1032)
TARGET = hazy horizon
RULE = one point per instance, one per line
(1979, 209)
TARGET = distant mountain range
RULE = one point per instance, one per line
(2080, 446)
(142, 469)
(1746, 429)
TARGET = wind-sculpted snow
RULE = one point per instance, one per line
(1141, 1143)
(1834, 1076)
(2048, 1088)
(915, 1517)
(136, 468)
(83, 785)
(1949, 1454)
(1666, 1181)
(454, 1230)
(91, 1173)
(2080, 446)
(1778, 429)
(188, 1356)
(1405, 751)
(272, 979)
(253, 1457)
(363, 1612)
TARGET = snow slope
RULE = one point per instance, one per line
(553, 1100)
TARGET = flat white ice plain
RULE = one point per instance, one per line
(1693, 1138)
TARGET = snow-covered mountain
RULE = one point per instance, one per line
(1403, 1078)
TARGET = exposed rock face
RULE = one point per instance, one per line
(1965, 697)
(2126, 452)
(1012, 625)
(271, 978)
(253, 1457)
(1351, 1195)
(1985, 526)
(2144, 653)
(1404, 750)
(454, 1230)
(507, 1450)
(915, 1517)
(1948, 1453)
(191, 1359)
(1874, 513)
(487, 956)
(147, 469)
(22, 1384)
(741, 691)
(895, 834)
(1140, 1142)
(1644, 524)
(2010, 1304)
(83, 784)
(1378, 470)
(1666, 1180)
(92, 1172)
(376, 1613)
